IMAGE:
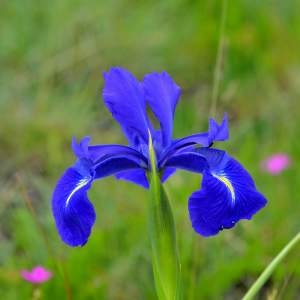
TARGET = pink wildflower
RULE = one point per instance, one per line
(276, 163)
(37, 275)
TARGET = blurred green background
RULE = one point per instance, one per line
(52, 56)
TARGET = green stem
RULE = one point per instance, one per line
(270, 268)
(36, 292)
(218, 66)
(162, 235)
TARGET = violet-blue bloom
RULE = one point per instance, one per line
(227, 195)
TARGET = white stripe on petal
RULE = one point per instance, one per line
(81, 183)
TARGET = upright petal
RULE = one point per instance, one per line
(228, 194)
(218, 132)
(162, 95)
(124, 97)
(73, 213)
(81, 148)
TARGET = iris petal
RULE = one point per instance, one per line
(98, 153)
(162, 95)
(191, 161)
(124, 97)
(112, 166)
(74, 214)
(137, 176)
(182, 145)
(226, 196)
(168, 172)
(218, 132)
(72, 210)
(81, 149)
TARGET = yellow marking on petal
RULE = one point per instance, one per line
(227, 184)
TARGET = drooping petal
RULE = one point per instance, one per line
(72, 210)
(190, 161)
(162, 95)
(137, 176)
(98, 153)
(73, 213)
(167, 172)
(216, 159)
(228, 194)
(218, 132)
(183, 144)
(114, 165)
(124, 97)
(205, 139)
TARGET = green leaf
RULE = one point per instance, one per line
(261, 280)
(165, 261)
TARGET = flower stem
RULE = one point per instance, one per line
(218, 66)
(162, 234)
(36, 292)
(270, 268)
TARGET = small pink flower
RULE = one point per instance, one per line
(276, 163)
(37, 275)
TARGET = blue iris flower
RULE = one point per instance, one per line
(227, 195)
